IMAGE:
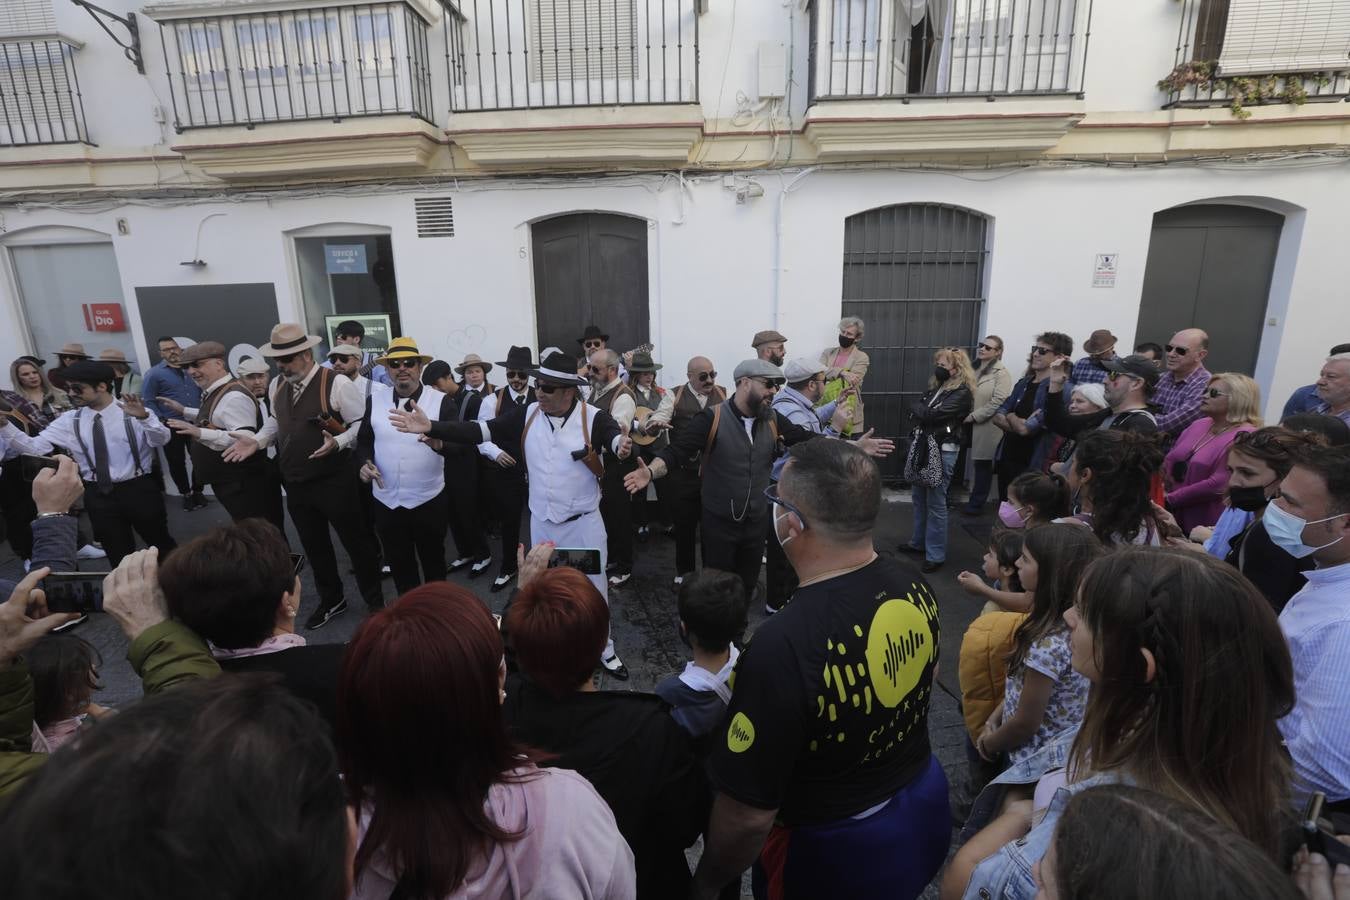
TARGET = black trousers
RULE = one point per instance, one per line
(176, 453)
(135, 505)
(461, 491)
(333, 501)
(411, 536)
(509, 493)
(1007, 470)
(682, 490)
(256, 496)
(616, 508)
(642, 513)
(735, 546)
(780, 579)
(16, 504)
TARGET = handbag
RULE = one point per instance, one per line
(923, 462)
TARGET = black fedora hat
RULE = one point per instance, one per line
(591, 333)
(558, 368)
(518, 359)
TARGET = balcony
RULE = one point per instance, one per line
(1245, 53)
(40, 100)
(583, 81)
(899, 78)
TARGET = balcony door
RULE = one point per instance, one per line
(591, 269)
(1209, 267)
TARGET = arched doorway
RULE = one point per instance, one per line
(915, 274)
(1209, 266)
(591, 268)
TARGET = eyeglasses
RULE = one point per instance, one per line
(1214, 393)
(593, 345)
(1179, 351)
(771, 494)
(512, 373)
(401, 364)
(706, 376)
(1041, 351)
(989, 349)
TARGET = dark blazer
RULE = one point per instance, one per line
(943, 421)
(310, 672)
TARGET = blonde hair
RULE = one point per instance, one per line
(1244, 399)
(965, 372)
(47, 389)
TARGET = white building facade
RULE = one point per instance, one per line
(681, 172)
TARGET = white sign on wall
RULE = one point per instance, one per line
(1104, 271)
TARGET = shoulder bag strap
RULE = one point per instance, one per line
(712, 438)
(524, 432)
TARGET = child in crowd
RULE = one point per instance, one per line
(1000, 567)
(1035, 498)
(1044, 695)
(712, 609)
(64, 669)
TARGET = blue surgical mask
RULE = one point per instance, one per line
(1286, 530)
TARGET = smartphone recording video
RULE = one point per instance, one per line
(584, 560)
(74, 592)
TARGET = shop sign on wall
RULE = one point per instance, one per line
(104, 317)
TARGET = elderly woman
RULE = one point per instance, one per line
(625, 743)
(993, 384)
(449, 805)
(937, 416)
(239, 588)
(845, 366)
(1195, 471)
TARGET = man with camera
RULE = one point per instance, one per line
(312, 407)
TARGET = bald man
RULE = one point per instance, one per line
(1183, 385)
(681, 487)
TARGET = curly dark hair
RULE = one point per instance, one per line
(1123, 464)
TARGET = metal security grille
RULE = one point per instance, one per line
(435, 217)
(915, 274)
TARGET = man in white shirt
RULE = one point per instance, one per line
(113, 441)
(507, 474)
(227, 406)
(312, 408)
(610, 394)
(561, 437)
(407, 476)
(350, 334)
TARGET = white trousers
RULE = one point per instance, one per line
(588, 533)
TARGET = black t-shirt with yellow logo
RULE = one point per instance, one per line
(829, 704)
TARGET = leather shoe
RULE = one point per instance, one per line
(910, 548)
(929, 566)
(615, 667)
(502, 581)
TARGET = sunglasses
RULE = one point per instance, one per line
(1214, 393)
(597, 370)
(1042, 351)
(1179, 351)
(769, 383)
(549, 388)
(706, 376)
(401, 364)
(512, 373)
(989, 349)
(288, 358)
(593, 345)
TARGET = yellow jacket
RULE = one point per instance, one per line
(983, 666)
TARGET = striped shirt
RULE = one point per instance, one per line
(1179, 401)
(1086, 371)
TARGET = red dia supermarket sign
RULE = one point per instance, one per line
(104, 317)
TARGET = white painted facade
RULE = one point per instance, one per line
(719, 269)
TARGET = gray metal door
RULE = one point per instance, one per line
(591, 268)
(1209, 267)
(915, 274)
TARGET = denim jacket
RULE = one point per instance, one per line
(1035, 421)
(1053, 755)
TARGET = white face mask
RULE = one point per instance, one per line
(782, 541)
(1286, 531)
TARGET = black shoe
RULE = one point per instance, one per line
(502, 581)
(928, 567)
(910, 548)
(615, 667)
(199, 500)
(460, 563)
(325, 614)
(187, 503)
(480, 567)
(643, 533)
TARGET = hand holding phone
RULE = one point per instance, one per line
(32, 465)
(584, 560)
(74, 592)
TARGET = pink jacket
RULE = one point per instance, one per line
(1198, 498)
(571, 848)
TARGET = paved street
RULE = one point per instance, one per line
(644, 623)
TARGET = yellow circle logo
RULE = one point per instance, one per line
(740, 734)
(899, 648)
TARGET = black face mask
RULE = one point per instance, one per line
(941, 374)
(845, 341)
(1249, 499)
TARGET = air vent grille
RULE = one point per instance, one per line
(435, 217)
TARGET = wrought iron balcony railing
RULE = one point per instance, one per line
(323, 62)
(40, 100)
(903, 49)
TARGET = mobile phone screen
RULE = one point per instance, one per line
(584, 559)
(75, 592)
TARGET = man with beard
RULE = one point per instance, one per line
(770, 346)
(312, 407)
(1129, 384)
(254, 373)
(561, 437)
(114, 443)
(739, 442)
(681, 484)
(611, 395)
(466, 473)
(345, 359)
(507, 475)
(244, 489)
(407, 476)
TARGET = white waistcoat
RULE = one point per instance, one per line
(413, 473)
(560, 486)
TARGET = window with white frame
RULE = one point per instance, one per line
(1263, 37)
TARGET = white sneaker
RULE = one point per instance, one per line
(89, 551)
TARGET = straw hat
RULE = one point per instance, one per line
(288, 338)
(473, 360)
(403, 348)
(72, 349)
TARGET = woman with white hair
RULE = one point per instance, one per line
(1084, 400)
(845, 365)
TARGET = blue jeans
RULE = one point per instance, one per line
(930, 513)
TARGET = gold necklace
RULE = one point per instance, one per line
(835, 573)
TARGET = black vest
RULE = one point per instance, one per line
(736, 471)
(207, 463)
(300, 435)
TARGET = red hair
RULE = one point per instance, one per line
(420, 732)
(558, 625)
